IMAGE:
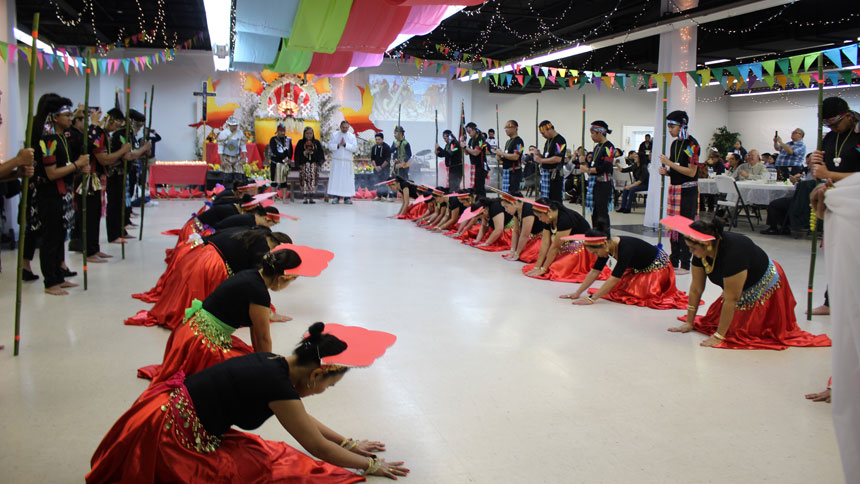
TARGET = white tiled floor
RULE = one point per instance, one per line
(493, 379)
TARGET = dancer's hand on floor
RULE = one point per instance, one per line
(573, 295)
(684, 328)
(819, 397)
(279, 318)
(368, 448)
(391, 470)
(583, 301)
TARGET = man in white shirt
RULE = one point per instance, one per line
(232, 150)
(753, 169)
(341, 182)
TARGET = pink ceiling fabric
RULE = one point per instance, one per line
(415, 3)
(328, 64)
(372, 26)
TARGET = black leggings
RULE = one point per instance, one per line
(680, 252)
(600, 215)
(53, 235)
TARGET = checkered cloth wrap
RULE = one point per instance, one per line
(506, 181)
(673, 204)
(589, 196)
(545, 176)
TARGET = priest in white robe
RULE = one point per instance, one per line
(341, 182)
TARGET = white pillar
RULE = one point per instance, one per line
(12, 129)
(677, 54)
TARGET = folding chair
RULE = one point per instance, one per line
(730, 197)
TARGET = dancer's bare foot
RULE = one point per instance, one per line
(684, 328)
(56, 291)
(279, 318)
(819, 397)
(95, 259)
(103, 255)
(682, 272)
(68, 284)
(115, 241)
(822, 310)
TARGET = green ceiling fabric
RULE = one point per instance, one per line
(290, 61)
(319, 25)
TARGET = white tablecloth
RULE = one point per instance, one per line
(754, 192)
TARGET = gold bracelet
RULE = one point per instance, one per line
(373, 465)
(590, 298)
(718, 336)
(692, 308)
(348, 443)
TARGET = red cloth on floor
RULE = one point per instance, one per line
(502, 243)
(769, 324)
(414, 211)
(572, 264)
(196, 275)
(469, 234)
(138, 449)
(189, 352)
(530, 252)
(151, 296)
(655, 290)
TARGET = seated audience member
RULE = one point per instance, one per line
(733, 162)
(753, 169)
(739, 150)
(790, 214)
(640, 175)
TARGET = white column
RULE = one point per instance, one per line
(14, 122)
(677, 54)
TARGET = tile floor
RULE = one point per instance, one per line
(493, 379)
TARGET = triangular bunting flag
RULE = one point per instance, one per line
(606, 80)
(724, 82)
(597, 81)
(542, 80)
(846, 76)
(769, 81)
(520, 79)
(553, 71)
(751, 80)
(49, 60)
(795, 63)
(4, 48)
(529, 70)
(621, 79)
(769, 66)
(508, 78)
(718, 75)
(850, 52)
(835, 55)
(834, 78)
(734, 70)
(562, 72)
(805, 79)
(634, 79)
(545, 71)
(103, 65)
(697, 79)
(526, 80)
(808, 60)
(705, 75)
(667, 78)
(125, 64)
(756, 70)
(417, 63)
(783, 65)
(782, 79)
(39, 58)
(95, 64)
(551, 79)
(795, 79)
(570, 81)
(683, 77)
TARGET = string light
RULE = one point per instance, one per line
(735, 31)
(820, 23)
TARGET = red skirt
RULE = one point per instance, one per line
(193, 226)
(469, 234)
(764, 318)
(652, 288)
(146, 445)
(571, 264)
(502, 243)
(195, 345)
(196, 275)
(152, 295)
(414, 211)
(531, 251)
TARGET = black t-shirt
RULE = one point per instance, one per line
(633, 253)
(735, 254)
(234, 252)
(537, 225)
(98, 144)
(556, 146)
(684, 152)
(640, 172)
(238, 391)
(569, 220)
(452, 153)
(308, 151)
(496, 208)
(281, 148)
(57, 151)
(225, 197)
(230, 301)
(478, 143)
(514, 146)
(217, 213)
(246, 220)
(413, 190)
(379, 154)
(848, 148)
(603, 161)
(645, 151)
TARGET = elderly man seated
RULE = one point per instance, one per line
(789, 215)
(753, 169)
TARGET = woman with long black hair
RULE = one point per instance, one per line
(181, 430)
(309, 155)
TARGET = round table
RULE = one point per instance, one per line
(753, 192)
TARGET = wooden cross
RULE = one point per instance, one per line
(206, 95)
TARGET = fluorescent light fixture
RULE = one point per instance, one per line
(561, 54)
(718, 61)
(778, 91)
(218, 22)
(27, 39)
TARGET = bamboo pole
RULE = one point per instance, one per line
(498, 145)
(582, 187)
(537, 182)
(85, 184)
(436, 120)
(124, 161)
(663, 178)
(812, 216)
(25, 182)
(147, 133)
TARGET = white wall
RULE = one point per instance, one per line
(564, 108)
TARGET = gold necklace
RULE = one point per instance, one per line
(709, 268)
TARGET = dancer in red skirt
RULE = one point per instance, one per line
(200, 271)
(437, 210)
(457, 204)
(259, 215)
(182, 429)
(641, 273)
(756, 309)
(494, 236)
(526, 231)
(206, 335)
(469, 223)
(558, 259)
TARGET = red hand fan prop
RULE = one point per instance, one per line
(363, 345)
(469, 214)
(682, 224)
(313, 260)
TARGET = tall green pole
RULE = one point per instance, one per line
(582, 187)
(663, 178)
(537, 146)
(147, 133)
(436, 153)
(498, 145)
(25, 182)
(85, 183)
(812, 217)
(124, 161)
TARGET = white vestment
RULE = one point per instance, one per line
(842, 253)
(341, 181)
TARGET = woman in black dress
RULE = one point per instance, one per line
(756, 309)
(560, 260)
(309, 155)
(182, 429)
(526, 231)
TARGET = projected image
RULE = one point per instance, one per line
(417, 97)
